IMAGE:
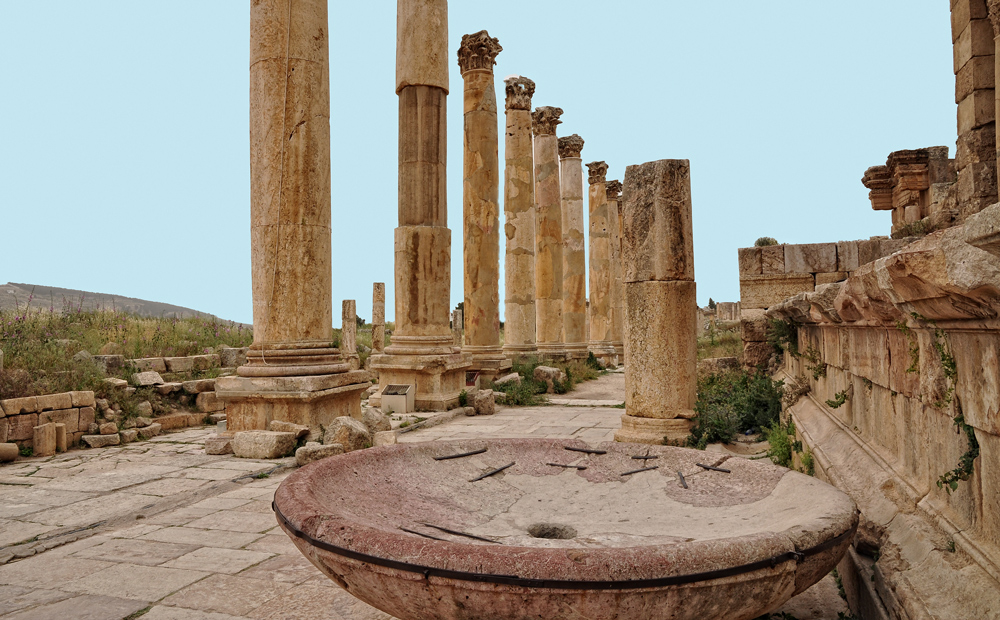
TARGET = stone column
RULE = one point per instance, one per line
(548, 236)
(349, 333)
(993, 12)
(600, 265)
(422, 352)
(480, 207)
(293, 371)
(457, 325)
(378, 317)
(614, 188)
(574, 257)
(519, 213)
(660, 305)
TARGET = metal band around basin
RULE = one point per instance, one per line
(511, 580)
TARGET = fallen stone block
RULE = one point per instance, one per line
(314, 451)
(217, 417)
(129, 435)
(101, 441)
(108, 428)
(44, 443)
(145, 408)
(94, 428)
(110, 363)
(8, 452)
(484, 403)
(199, 385)
(60, 437)
(219, 445)
(128, 423)
(204, 362)
(279, 426)
(511, 378)
(263, 444)
(116, 383)
(147, 379)
(82, 399)
(348, 432)
(375, 421)
(148, 432)
(208, 402)
(170, 388)
(549, 376)
(142, 420)
(179, 364)
(386, 438)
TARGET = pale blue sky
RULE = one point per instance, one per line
(124, 152)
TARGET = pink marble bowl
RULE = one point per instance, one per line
(564, 533)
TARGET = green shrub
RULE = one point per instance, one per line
(521, 394)
(733, 402)
(765, 241)
(463, 398)
(781, 439)
(783, 336)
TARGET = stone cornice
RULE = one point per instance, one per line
(598, 172)
(614, 189)
(478, 51)
(545, 119)
(520, 90)
(570, 146)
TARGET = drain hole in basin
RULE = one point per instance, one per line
(553, 531)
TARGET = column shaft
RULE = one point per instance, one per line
(349, 333)
(378, 317)
(548, 236)
(519, 215)
(615, 257)
(574, 257)
(600, 265)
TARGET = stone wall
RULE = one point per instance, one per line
(903, 362)
(19, 416)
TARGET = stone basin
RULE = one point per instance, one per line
(417, 538)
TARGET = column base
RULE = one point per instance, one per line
(657, 431)
(489, 362)
(439, 379)
(313, 401)
(577, 351)
(515, 351)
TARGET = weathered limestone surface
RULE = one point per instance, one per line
(480, 204)
(378, 317)
(768, 290)
(811, 258)
(44, 443)
(750, 261)
(548, 235)
(614, 189)
(519, 215)
(263, 444)
(422, 352)
(349, 333)
(574, 262)
(660, 303)
(600, 264)
(772, 259)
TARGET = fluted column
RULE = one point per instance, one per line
(600, 264)
(378, 317)
(660, 304)
(548, 235)
(574, 257)
(290, 215)
(614, 188)
(519, 216)
(480, 206)
(421, 351)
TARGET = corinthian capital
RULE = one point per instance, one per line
(598, 171)
(478, 51)
(545, 119)
(570, 146)
(994, 13)
(519, 92)
(614, 189)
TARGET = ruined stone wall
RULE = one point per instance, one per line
(903, 362)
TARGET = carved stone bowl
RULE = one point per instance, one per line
(566, 530)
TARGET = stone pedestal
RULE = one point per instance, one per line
(614, 189)
(574, 261)
(519, 213)
(548, 236)
(480, 207)
(660, 304)
(290, 217)
(600, 265)
(422, 351)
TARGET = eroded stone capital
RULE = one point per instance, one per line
(570, 146)
(598, 172)
(478, 51)
(519, 92)
(994, 13)
(614, 188)
(545, 119)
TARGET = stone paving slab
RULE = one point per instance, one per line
(191, 536)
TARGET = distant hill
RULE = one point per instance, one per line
(13, 295)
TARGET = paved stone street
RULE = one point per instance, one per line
(105, 534)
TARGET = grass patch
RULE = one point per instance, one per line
(733, 402)
(528, 391)
(720, 341)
